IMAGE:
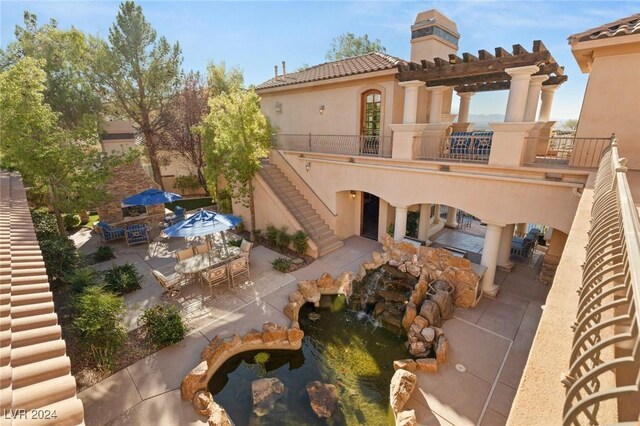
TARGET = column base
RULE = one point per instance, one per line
(507, 266)
(492, 292)
(453, 225)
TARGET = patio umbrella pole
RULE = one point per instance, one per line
(224, 243)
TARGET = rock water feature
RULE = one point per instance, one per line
(341, 369)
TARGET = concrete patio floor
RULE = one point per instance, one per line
(490, 341)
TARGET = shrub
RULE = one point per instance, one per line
(60, 256)
(300, 242)
(272, 235)
(44, 224)
(71, 221)
(187, 183)
(412, 224)
(235, 243)
(103, 253)
(122, 279)
(282, 264)
(283, 239)
(98, 324)
(81, 278)
(224, 201)
(257, 235)
(164, 325)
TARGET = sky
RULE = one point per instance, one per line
(255, 36)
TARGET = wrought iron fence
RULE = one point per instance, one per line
(568, 150)
(605, 358)
(470, 147)
(357, 145)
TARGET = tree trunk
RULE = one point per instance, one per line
(153, 158)
(53, 198)
(252, 210)
(202, 180)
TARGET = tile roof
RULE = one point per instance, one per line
(34, 367)
(370, 62)
(621, 27)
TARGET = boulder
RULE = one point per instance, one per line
(404, 364)
(252, 336)
(369, 266)
(195, 381)
(265, 393)
(465, 283)
(418, 348)
(201, 403)
(444, 300)
(419, 292)
(414, 269)
(428, 334)
(323, 398)
(406, 418)
(431, 311)
(325, 282)
(377, 258)
(295, 335)
(393, 296)
(459, 262)
(296, 297)
(409, 314)
(421, 321)
(441, 349)
(407, 249)
(402, 385)
(310, 292)
(291, 310)
(272, 332)
(427, 365)
(217, 347)
(211, 347)
(394, 262)
(402, 267)
(379, 308)
(344, 283)
(219, 416)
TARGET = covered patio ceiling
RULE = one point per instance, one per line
(485, 72)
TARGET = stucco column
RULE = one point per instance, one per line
(518, 91)
(383, 219)
(423, 224)
(435, 109)
(410, 112)
(465, 101)
(436, 217)
(451, 218)
(533, 95)
(490, 258)
(504, 253)
(546, 102)
(521, 228)
(400, 229)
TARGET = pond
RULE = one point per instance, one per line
(342, 347)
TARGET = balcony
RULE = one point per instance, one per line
(354, 145)
(566, 151)
(460, 146)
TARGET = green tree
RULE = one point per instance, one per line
(571, 125)
(138, 73)
(65, 161)
(241, 136)
(348, 45)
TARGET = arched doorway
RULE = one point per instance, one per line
(370, 216)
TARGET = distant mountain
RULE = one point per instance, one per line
(482, 120)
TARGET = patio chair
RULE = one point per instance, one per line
(246, 246)
(179, 214)
(216, 276)
(108, 233)
(238, 267)
(184, 254)
(172, 283)
(136, 234)
(202, 248)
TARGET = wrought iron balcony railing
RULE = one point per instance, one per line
(467, 147)
(568, 150)
(604, 372)
(356, 145)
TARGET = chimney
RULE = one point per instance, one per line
(284, 68)
(275, 70)
(433, 35)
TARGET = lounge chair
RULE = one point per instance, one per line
(216, 276)
(108, 233)
(171, 283)
(524, 247)
(238, 267)
(136, 234)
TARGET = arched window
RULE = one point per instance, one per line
(370, 115)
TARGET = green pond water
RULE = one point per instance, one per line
(342, 347)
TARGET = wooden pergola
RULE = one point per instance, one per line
(485, 72)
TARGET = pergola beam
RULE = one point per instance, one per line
(503, 85)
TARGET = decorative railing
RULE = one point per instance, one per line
(474, 147)
(568, 150)
(604, 375)
(357, 145)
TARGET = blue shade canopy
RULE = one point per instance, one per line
(202, 223)
(151, 196)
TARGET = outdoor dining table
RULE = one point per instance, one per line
(200, 262)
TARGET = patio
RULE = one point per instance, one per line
(491, 342)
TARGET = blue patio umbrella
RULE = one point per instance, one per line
(150, 197)
(203, 223)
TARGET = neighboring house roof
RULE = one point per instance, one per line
(370, 62)
(35, 372)
(621, 27)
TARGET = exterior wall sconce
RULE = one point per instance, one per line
(278, 107)
(353, 194)
(321, 109)
(307, 166)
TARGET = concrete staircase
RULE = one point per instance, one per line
(316, 228)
